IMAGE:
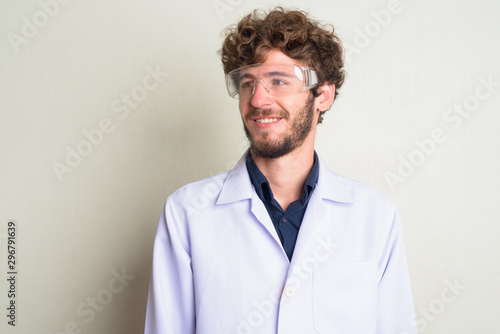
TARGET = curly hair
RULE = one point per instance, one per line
(293, 33)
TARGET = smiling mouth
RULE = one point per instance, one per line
(266, 120)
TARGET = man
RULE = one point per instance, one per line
(280, 244)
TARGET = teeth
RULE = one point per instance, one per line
(266, 120)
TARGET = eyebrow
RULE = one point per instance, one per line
(276, 73)
(268, 74)
(245, 76)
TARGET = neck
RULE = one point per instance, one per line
(287, 174)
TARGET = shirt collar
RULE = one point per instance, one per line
(258, 180)
(263, 189)
(312, 179)
(238, 186)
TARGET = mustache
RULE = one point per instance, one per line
(266, 112)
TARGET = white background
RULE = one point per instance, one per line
(76, 229)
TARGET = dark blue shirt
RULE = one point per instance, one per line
(287, 224)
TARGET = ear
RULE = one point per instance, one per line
(326, 98)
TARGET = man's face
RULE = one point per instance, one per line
(274, 125)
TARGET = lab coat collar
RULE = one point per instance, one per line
(238, 186)
(332, 186)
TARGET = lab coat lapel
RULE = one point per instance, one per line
(316, 228)
(260, 212)
(310, 229)
(237, 186)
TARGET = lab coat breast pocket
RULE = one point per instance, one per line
(344, 297)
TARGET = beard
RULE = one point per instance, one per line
(301, 127)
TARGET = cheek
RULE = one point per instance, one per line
(243, 107)
(294, 105)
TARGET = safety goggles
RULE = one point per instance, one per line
(277, 79)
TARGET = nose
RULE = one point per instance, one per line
(260, 95)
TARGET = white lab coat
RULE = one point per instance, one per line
(219, 267)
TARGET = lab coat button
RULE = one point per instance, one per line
(290, 292)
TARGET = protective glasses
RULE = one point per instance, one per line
(277, 79)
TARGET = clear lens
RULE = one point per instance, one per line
(278, 80)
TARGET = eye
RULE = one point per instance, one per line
(246, 84)
(279, 82)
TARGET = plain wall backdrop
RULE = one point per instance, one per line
(107, 107)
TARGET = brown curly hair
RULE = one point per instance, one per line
(293, 33)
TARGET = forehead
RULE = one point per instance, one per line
(270, 70)
(272, 66)
(276, 56)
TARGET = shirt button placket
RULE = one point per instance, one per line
(290, 292)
